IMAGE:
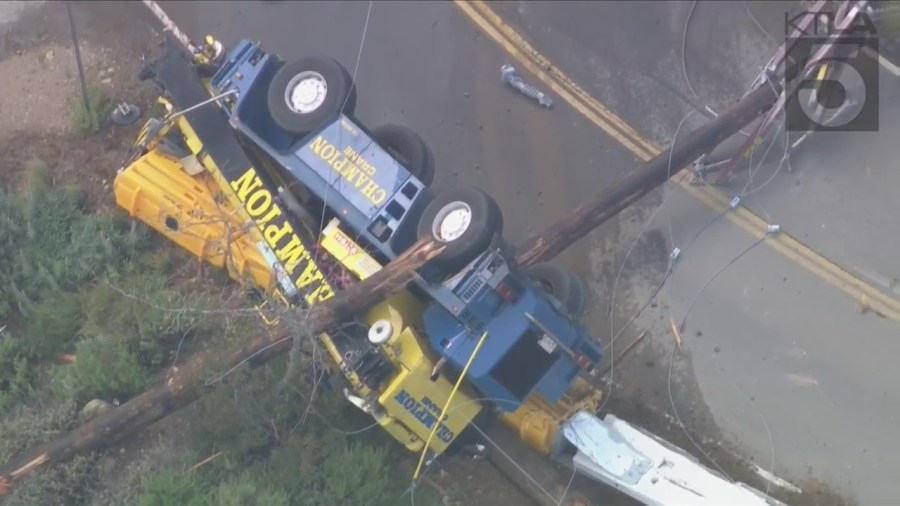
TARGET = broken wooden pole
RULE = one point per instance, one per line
(192, 382)
(608, 203)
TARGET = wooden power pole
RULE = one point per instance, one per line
(610, 202)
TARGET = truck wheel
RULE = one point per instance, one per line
(308, 92)
(560, 284)
(409, 149)
(464, 220)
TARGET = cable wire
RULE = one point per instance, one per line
(611, 312)
(459, 381)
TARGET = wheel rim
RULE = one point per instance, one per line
(305, 92)
(452, 221)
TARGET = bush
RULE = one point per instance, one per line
(35, 177)
(53, 325)
(104, 368)
(246, 491)
(242, 420)
(16, 375)
(169, 488)
(151, 318)
(88, 120)
(355, 474)
(48, 244)
(69, 484)
(30, 425)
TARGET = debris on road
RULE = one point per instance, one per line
(509, 76)
(801, 380)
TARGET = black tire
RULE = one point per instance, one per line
(559, 284)
(408, 148)
(486, 221)
(577, 296)
(340, 92)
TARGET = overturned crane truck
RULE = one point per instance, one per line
(245, 184)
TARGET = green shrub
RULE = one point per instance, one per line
(150, 317)
(246, 491)
(16, 374)
(38, 422)
(69, 484)
(237, 418)
(53, 325)
(33, 424)
(35, 177)
(104, 368)
(169, 488)
(47, 243)
(357, 474)
(87, 120)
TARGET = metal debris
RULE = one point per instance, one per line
(508, 75)
(801, 380)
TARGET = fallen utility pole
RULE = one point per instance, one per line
(189, 384)
(192, 382)
(608, 203)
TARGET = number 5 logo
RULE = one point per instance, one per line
(841, 93)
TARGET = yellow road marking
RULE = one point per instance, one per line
(528, 57)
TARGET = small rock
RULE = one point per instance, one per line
(110, 70)
(94, 408)
(106, 80)
(466, 94)
(716, 349)
(446, 500)
(48, 56)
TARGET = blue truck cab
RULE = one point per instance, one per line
(533, 346)
(338, 161)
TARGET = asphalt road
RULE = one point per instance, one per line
(779, 364)
(792, 371)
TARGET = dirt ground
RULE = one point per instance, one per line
(41, 91)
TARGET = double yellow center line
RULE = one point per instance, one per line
(868, 296)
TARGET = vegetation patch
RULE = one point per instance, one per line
(88, 118)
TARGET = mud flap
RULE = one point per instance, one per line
(648, 468)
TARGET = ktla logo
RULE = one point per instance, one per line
(840, 91)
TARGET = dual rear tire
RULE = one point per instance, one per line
(560, 284)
